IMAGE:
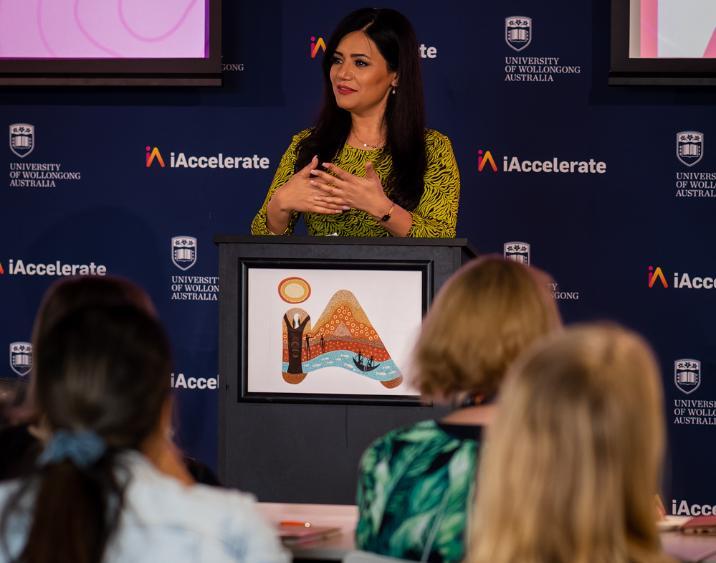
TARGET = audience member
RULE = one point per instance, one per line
(20, 441)
(416, 484)
(572, 462)
(110, 485)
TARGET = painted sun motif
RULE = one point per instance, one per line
(294, 290)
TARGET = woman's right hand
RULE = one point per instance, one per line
(299, 195)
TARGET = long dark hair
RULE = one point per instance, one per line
(404, 115)
(102, 369)
(63, 297)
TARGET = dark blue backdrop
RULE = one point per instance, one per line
(596, 233)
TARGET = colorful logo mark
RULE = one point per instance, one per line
(317, 44)
(656, 274)
(153, 154)
(2, 270)
(483, 158)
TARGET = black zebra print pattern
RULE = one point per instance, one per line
(434, 217)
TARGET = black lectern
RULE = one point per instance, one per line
(296, 411)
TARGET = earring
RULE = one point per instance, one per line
(393, 90)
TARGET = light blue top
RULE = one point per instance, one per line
(165, 521)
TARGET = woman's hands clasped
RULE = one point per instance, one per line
(299, 194)
(343, 188)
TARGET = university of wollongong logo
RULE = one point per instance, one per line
(517, 251)
(518, 32)
(689, 147)
(21, 358)
(184, 251)
(687, 375)
(22, 139)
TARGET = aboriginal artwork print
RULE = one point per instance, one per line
(342, 336)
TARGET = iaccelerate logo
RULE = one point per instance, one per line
(519, 251)
(184, 254)
(153, 155)
(679, 280)
(518, 36)
(555, 165)
(181, 381)
(689, 152)
(483, 158)
(318, 45)
(683, 508)
(656, 274)
(33, 174)
(18, 267)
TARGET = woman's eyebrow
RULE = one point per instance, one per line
(353, 55)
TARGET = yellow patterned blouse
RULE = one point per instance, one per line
(435, 216)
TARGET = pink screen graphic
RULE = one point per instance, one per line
(103, 29)
(677, 29)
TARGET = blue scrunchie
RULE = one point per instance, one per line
(83, 448)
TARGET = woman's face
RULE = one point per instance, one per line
(360, 76)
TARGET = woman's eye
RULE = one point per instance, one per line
(336, 61)
(361, 63)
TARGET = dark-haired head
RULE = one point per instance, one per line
(103, 368)
(69, 294)
(404, 118)
(99, 370)
(65, 296)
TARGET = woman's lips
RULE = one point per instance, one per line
(344, 90)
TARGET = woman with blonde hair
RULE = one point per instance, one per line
(416, 484)
(572, 462)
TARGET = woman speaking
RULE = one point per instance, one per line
(368, 168)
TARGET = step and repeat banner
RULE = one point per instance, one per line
(611, 190)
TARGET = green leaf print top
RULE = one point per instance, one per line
(415, 492)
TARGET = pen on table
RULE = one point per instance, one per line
(294, 523)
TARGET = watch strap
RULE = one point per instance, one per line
(388, 214)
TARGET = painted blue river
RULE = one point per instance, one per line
(344, 359)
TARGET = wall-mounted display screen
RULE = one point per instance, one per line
(672, 29)
(663, 42)
(110, 42)
(128, 29)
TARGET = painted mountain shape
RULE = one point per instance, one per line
(342, 337)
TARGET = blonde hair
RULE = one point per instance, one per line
(572, 461)
(487, 313)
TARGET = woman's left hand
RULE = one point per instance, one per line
(365, 194)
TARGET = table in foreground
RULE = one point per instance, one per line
(687, 547)
(680, 546)
(343, 516)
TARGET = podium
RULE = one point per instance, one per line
(314, 341)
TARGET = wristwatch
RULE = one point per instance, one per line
(385, 218)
